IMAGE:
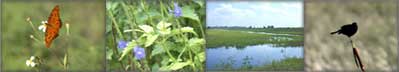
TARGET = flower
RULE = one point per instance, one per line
(31, 62)
(139, 52)
(28, 19)
(122, 44)
(43, 26)
(177, 11)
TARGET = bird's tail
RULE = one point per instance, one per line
(334, 32)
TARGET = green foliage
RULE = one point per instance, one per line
(288, 64)
(240, 38)
(171, 43)
(78, 48)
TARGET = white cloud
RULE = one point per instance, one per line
(292, 5)
(254, 14)
(228, 9)
(282, 9)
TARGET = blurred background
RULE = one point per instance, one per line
(376, 37)
(85, 45)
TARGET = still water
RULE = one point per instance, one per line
(257, 55)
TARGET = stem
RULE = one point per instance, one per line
(56, 56)
(357, 57)
(125, 8)
(66, 49)
(184, 50)
(115, 24)
(115, 49)
(146, 12)
(191, 57)
(167, 51)
(162, 8)
(31, 24)
(202, 29)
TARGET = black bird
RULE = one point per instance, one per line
(348, 30)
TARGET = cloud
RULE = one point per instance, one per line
(278, 14)
(278, 8)
(229, 10)
(292, 5)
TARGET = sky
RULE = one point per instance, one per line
(255, 13)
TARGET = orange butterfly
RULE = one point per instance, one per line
(53, 26)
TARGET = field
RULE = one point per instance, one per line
(246, 38)
(237, 37)
(289, 64)
(294, 31)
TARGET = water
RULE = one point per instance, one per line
(257, 55)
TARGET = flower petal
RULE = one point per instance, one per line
(42, 28)
(177, 11)
(139, 53)
(122, 44)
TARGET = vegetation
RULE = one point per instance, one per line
(82, 41)
(155, 35)
(287, 64)
(238, 37)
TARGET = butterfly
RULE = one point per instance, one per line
(53, 26)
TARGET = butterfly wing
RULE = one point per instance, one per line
(53, 26)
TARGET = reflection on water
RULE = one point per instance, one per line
(250, 56)
(279, 38)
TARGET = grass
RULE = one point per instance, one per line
(288, 64)
(85, 45)
(240, 39)
(294, 31)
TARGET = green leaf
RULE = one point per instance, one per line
(187, 29)
(199, 2)
(112, 6)
(163, 25)
(165, 61)
(155, 68)
(157, 50)
(165, 31)
(200, 56)
(66, 60)
(188, 12)
(128, 49)
(127, 67)
(146, 28)
(150, 40)
(184, 30)
(196, 44)
(142, 16)
(175, 66)
(109, 54)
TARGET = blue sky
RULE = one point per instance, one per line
(255, 13)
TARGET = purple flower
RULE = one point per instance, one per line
(177, 11)
(139, 52)
(122, 44)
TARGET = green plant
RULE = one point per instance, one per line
(156, 35)
(37, 62)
